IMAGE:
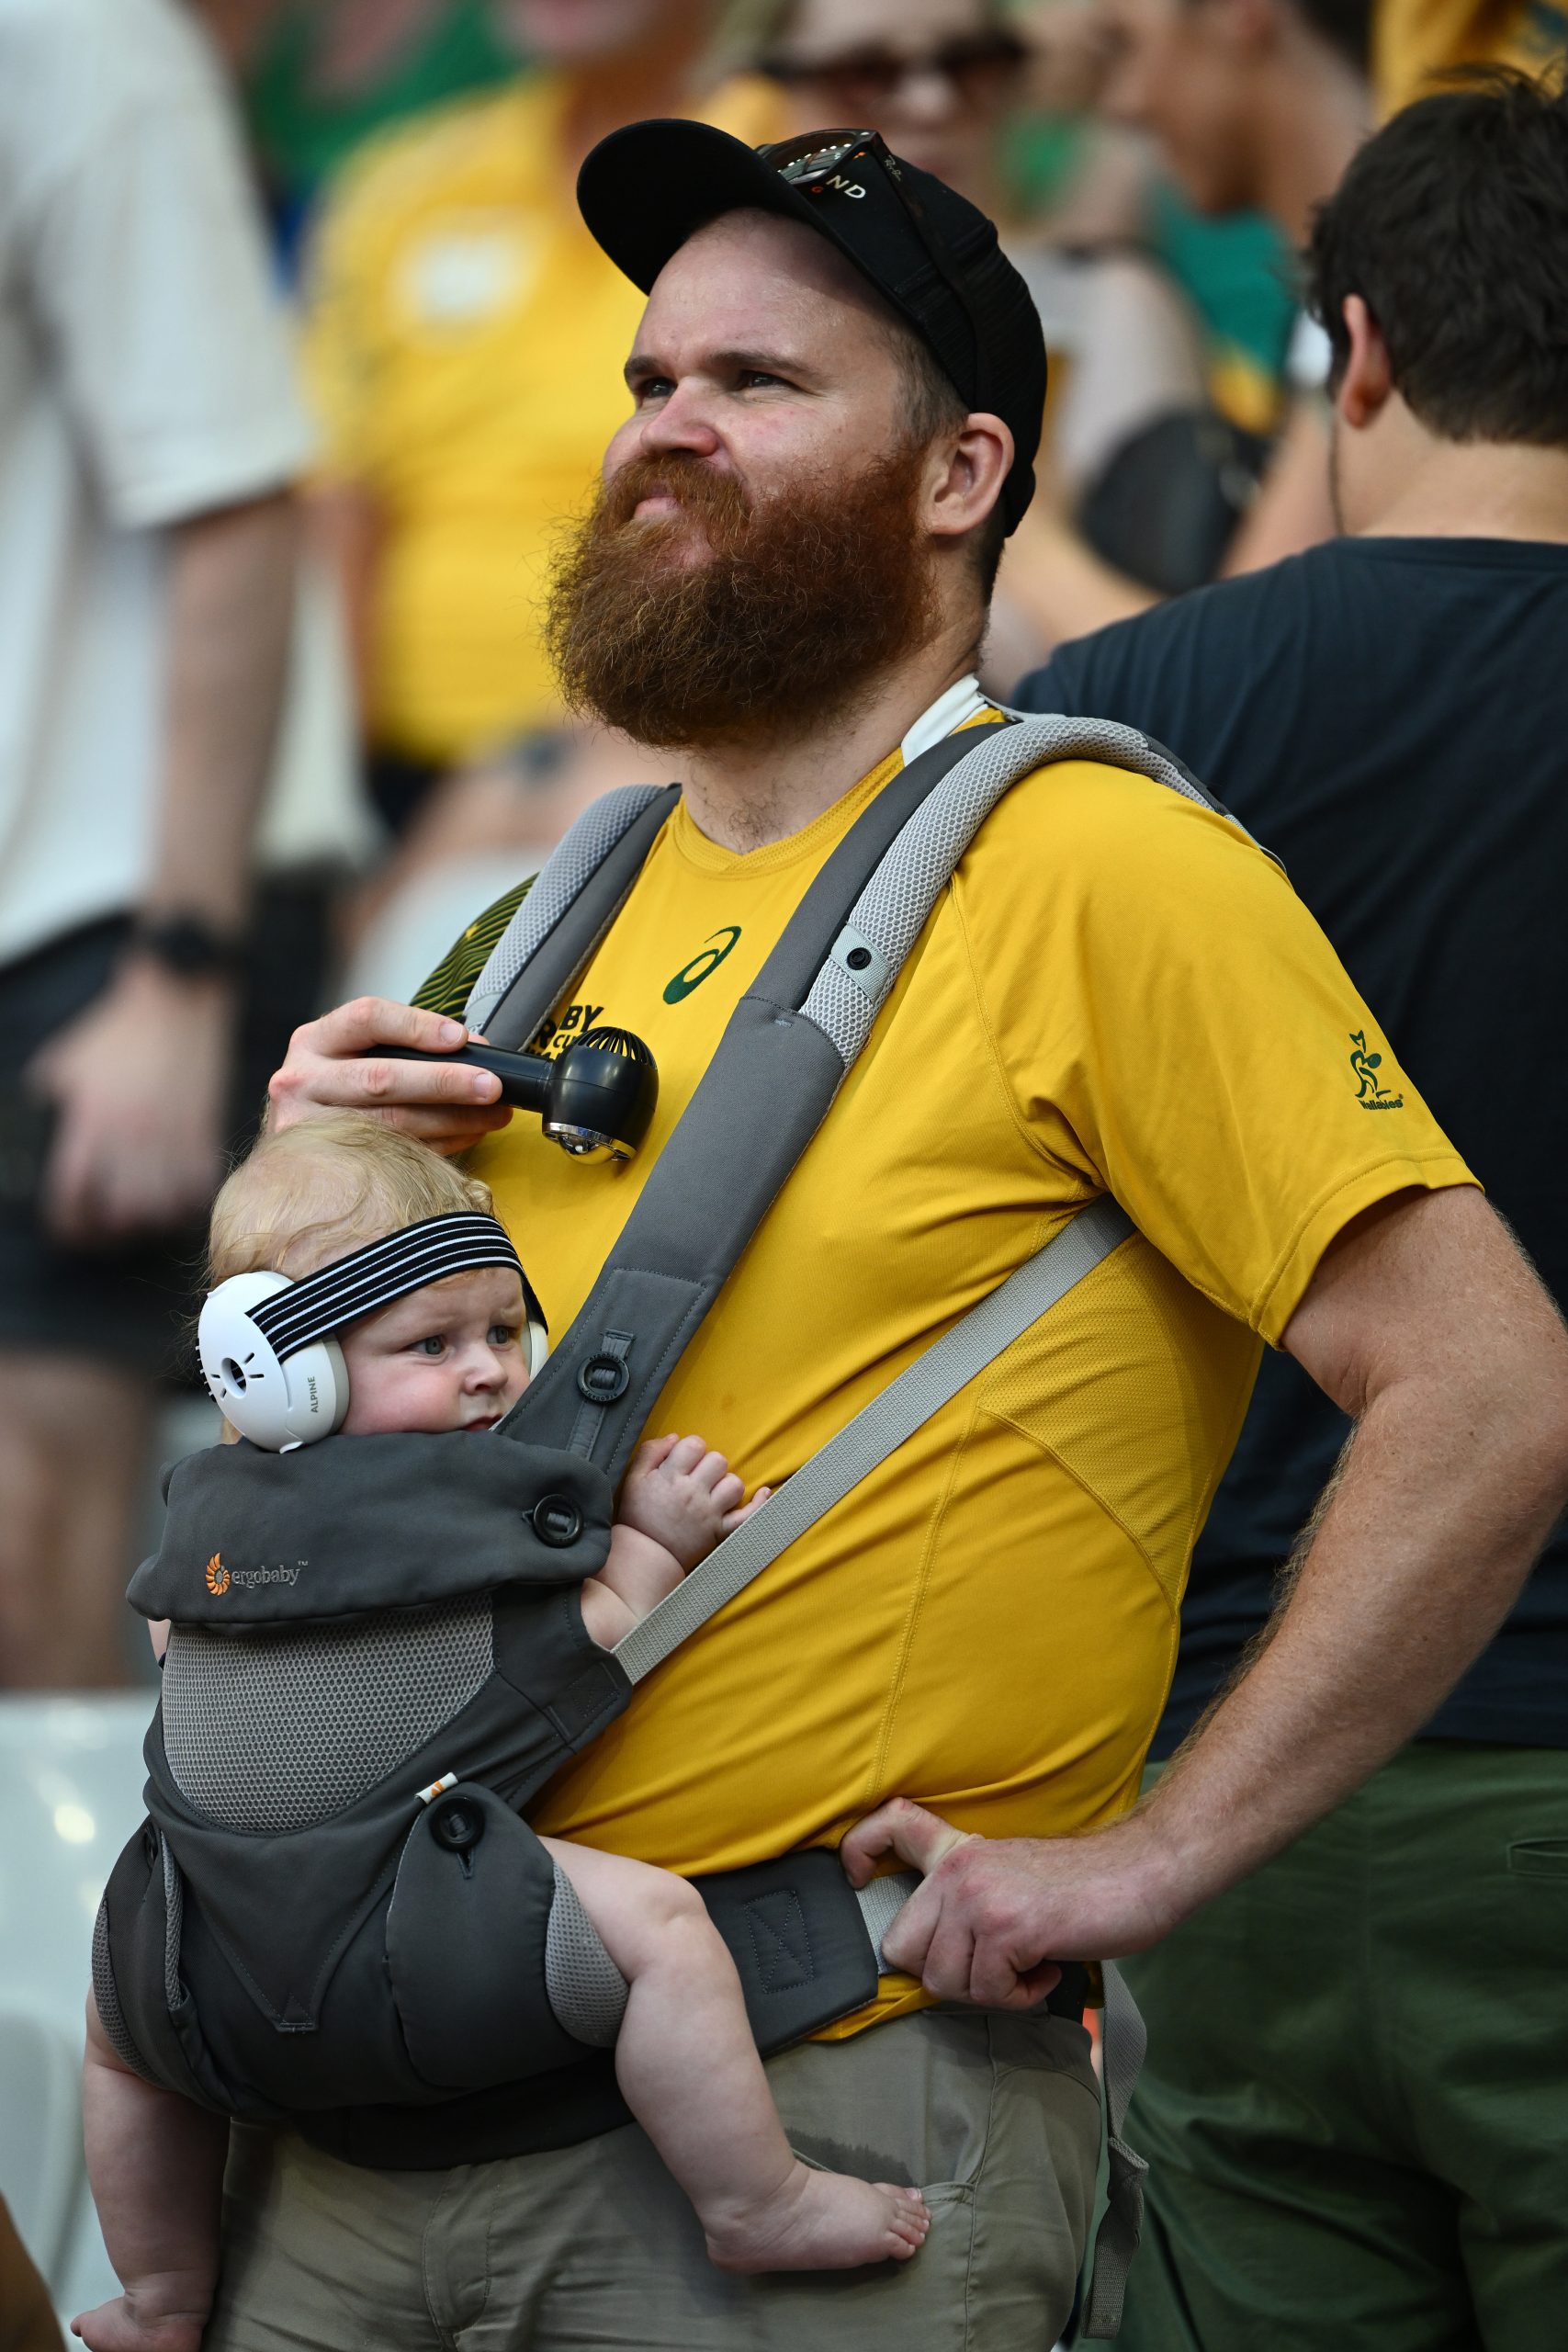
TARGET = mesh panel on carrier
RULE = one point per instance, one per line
(272, 1731)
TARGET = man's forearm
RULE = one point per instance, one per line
(1442, 1500)
(231, 607)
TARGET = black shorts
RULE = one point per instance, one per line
(131, 1305)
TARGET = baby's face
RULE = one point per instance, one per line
(453, 1356)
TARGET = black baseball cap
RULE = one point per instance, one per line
(928, 251)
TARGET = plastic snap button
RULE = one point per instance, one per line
(555, 1521)
(858, 958)
(458, 1826)
(604, 1378)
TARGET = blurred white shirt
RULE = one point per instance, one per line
(145, 379)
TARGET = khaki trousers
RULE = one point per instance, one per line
(996, 2117)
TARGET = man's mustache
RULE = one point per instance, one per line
(694, 486)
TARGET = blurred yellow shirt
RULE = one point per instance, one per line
(465, 338)
(1117, 991)
(1413, 40)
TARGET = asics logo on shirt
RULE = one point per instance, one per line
(691, 976)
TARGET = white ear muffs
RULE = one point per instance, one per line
(274, 1402)
(538, 1337)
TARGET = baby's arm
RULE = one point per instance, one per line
(677, 1499)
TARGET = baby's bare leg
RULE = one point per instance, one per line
(156, 2167)
(691, 2074)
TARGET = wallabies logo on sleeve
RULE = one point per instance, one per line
(1370, 1092)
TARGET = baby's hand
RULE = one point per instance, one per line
(683, 1496)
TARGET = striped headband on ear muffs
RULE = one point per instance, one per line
(264, 1341)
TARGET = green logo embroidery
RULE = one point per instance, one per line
(691, 976)
(1369, 1093)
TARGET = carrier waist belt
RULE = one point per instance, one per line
(807, 1950)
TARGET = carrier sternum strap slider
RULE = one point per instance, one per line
(865, 963)
(555, 1521)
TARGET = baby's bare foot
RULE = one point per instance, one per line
(125, 2325)
(819, 2220)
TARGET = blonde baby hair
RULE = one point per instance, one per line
(312, 1193)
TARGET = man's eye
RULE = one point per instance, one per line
(652, 388)
(749, 375)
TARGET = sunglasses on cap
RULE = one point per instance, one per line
(825, 162)
(978, 66)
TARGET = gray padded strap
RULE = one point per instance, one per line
(575, 897)
(1123, 2041)
(887, 919)
(877, 1431)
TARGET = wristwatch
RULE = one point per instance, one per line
(188, 945)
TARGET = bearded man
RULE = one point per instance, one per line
(836, 393)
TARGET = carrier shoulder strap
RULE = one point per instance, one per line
(783, 1056)
(574, 900)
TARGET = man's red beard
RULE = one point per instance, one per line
(733, 619)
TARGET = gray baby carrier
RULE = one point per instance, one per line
(336, 1912)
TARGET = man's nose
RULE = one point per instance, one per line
(683, 423)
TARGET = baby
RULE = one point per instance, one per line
(451, 1357)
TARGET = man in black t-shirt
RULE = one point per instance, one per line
(1356, 2101)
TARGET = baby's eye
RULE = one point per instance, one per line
(502, 1335)
(435, 1345)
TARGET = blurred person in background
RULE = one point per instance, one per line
(1359, 2062)
(320, 77)
(1254, 104)
(149, 431)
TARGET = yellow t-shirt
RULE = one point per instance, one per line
(464, 344)
(1414, 40)
(1117, 991)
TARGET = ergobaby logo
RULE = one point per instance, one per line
(1369, 1093)
(691, 976)
(221, 1580)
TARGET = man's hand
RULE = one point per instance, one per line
(140, 1081)
(442, 1104)
(992, 1910)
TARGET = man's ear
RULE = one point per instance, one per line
(968, 480)
(1366, 382)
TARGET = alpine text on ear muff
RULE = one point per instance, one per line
(596, 1100)
(266, 1342)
